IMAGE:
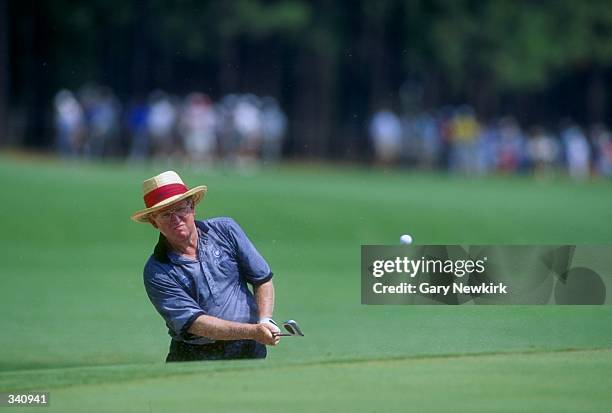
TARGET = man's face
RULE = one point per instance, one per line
(176, 222)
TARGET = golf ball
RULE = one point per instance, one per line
(406, 239)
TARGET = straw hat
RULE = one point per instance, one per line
(163, 190)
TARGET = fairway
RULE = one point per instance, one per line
(77, 322)
(560, 382)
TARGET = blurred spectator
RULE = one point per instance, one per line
(137, 121)
(430, 143)
(543, 151)
(511, 148)
(273, 128)
(102, 111)
(602, 141)
(228, 140)
(197, 128)
(410, 151)
(247, 123)
(445, 119)
(488, 148)
(386, 133)
(160, 125)
(69, 124)
(577, 151)
(465, 130)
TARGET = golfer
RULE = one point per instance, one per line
(197, 278)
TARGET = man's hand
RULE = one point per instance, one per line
(271, 322)
(264, 333)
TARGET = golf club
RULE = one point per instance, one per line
(292, 329)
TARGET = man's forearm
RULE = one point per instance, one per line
(218, 329)
(264, 297)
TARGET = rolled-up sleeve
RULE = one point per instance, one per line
(253, 266)
(177, 308)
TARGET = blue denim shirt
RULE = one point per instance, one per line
(182, 289)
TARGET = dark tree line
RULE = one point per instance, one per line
(330, 63)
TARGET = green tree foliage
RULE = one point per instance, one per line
(521, 42)
(330, 62)
(199, 27)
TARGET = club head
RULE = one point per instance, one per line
(292, 328)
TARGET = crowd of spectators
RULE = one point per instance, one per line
(238, 129)
(454, 139)
(244, 129)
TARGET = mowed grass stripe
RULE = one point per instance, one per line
(96, 375)
(537, 382)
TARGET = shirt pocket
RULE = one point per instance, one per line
(226, 265)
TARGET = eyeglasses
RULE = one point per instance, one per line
(181, 212)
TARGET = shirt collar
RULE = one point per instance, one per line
(203, 226)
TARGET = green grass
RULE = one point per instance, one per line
(559, 382)
(76, 320)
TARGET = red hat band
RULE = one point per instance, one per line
(157, 195)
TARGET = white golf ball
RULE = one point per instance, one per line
(406, 239)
